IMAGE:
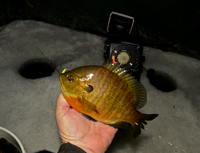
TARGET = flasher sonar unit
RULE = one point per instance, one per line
(121, 47)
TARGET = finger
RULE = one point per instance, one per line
(61, 102)
(62, 106)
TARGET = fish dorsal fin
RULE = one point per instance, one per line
(140, 95)
(137, 88)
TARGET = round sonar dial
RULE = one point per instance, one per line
(123, 57)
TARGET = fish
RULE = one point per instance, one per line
(108, 94)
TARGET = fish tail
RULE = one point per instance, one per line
(137, 125)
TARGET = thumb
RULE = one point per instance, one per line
(62, 106)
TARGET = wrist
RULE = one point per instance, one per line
(83, 147)
(68, 147)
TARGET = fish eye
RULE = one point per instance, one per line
(70, 78)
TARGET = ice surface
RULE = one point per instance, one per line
(27, 107)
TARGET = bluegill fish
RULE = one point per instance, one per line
(108, 94)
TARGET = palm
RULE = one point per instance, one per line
(76, 129)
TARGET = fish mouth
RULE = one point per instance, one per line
(61, 78)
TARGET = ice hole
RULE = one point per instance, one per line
(36, 68)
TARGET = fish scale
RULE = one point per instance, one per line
(112, 95)
(108, 94)
(102, 75)
(101, 85)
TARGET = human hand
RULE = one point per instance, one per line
(75, 128)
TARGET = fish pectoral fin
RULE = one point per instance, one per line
(88, 106)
